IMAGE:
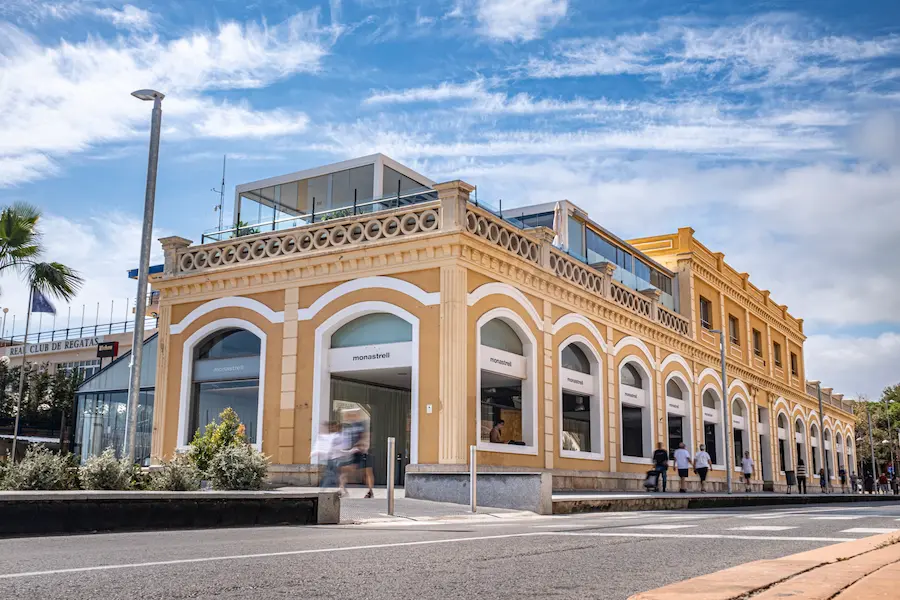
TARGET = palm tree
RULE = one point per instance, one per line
(20, 250)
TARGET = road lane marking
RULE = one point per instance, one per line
(838, 518)
(762, 528)
(207, 559)
(661, 526)
(870, 530)
(707, 536)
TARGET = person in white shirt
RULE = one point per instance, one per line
(747, 469)
(329, 450)
(683, 464)
(702, 465)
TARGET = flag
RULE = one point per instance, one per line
(39, 303)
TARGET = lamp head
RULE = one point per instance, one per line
(148, 95)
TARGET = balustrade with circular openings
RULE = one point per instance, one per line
(500, 235)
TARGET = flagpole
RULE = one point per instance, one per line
(22, 376)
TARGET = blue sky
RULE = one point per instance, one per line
(772, 128)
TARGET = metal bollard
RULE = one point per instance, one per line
(473, 468)
(391, 466)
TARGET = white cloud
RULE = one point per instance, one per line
(108, 247)
(439, 93)
(518, 20)
(128, 17)
(854, 365)
(93, 79)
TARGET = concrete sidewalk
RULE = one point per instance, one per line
(865, 569)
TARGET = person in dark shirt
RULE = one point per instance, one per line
(661, 463)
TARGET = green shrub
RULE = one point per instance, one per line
(178, 475)
(238, 468)
(228, 433)
(39, 469)
(106, 472)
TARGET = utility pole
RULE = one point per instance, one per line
(887, 408)
(871, 442)
(725, 409)
(822, 462)
(221, 191)
(140, 311)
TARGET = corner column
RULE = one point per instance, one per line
(454, 367)
(612, 399)
(288, 378)
(157, 438)
(549, 448)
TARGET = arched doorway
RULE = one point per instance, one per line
(765, 448)
(224, 373)
(712, 426)
(636, 405)
(815, 459)
(784, 447)
(678, 416)
(366, 369)
(800, 441)
(740, 428)
(581, 422)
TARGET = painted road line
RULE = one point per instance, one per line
(870, 530)
(661, 526)
(232, 557)
(706, 536)
(838, 518)
(762, 528)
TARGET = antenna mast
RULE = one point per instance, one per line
(221, 191)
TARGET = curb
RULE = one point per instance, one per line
(578, 504)
(756, 577)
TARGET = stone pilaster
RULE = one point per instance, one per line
(612, 423)
(171, 246)
(157, 438)
(453, 196)
(454, 414)
(288, 379)
(549, 384)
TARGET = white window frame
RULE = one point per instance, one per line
(529, 384)
(804, 442)
(745, 433)
(720, 413)
(187, 368)
(688, 426)
(596, 400)
(789, 460)
(647, 416)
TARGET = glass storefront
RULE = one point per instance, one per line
(102, 420)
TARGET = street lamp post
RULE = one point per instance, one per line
(137, 345)
(887, 409)
(725, 409)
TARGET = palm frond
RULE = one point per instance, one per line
(19, 237)
(54, 279)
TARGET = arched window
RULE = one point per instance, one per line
(737, 408)
(829, 465)
(739, 431)
(800, 442)
(574, 359)
(784, 448)
(678, 417)
(636, 407)
(848, 448)
(631, 377)
(498, 334)
(814, 449)
(225, 374)
(581, 425)
(673, 390)
(375, 328)
(713, 436)
(507, 404)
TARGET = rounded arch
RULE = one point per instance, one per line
(781, 403)
(678, 359)
(504, 289)
(575, 318)
(597, 404)
(712, 407)
(529, 393)
(740, 421)
(737, 383)
(798, 412)
(321, 373)
(784, 439)
(629, 402)
(709, 372)
(685, 407)
(633, 341)
(227, 302)
(187, 368)
(363, 283)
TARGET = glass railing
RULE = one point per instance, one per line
(497, 212)
(74, 333)
(383, 203)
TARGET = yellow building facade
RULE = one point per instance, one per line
(439, 319)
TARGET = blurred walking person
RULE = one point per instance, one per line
(801, 477)
(356, 440)
(702, 465)
(661, 464)
(683, 463)
(823, 481)
(842, 475)
(329, 450)
(747, 470)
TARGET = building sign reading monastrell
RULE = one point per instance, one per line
(57, 346)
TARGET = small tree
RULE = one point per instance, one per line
(63, 385)
(227, 433)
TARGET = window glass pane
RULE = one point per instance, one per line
(738, 437)
(737, 408)
(709, 401)
(539, 220)
(210, 399)
(673, 390)
(598, 249)
(229, 343)
(642, 269)
(709, 438)
(496, 333)
(576, 237)
(576, 422)
(395, 183)
(317, 193)
(781, 455)
(376, 328)
(574, 358)
(501, 400)
(676, 433)
(632, 431)
(624, 259)
(361, 181)
(631, 377)
(341, 194)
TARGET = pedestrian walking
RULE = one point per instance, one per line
(747, 470)
(661, 464)
(854, 483)
(683, 463)
(329, 450)
(823, 481)
(801, 477)
(842, 475)
(883, 484)
(356, 443)
(702, 466)
(895, 484)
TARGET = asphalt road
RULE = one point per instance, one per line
(608, 556)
